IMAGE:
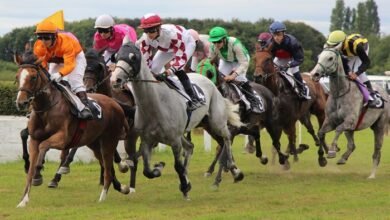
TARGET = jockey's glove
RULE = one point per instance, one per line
(56, 77)
(161, 76)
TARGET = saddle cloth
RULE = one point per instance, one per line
(241, 97)
(77, 105)
(291, 80)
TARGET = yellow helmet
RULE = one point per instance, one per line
(46, 27)
(336, 37)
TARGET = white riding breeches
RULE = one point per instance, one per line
(75, 78)
(354, 63)
(283, 62)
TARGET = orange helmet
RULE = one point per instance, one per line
(46, 27)
(150, 20)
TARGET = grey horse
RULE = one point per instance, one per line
(344, 108)
(161, 116)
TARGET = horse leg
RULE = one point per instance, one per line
(132, 159)
(379, 130)
(33, 149)
(325, 128)
(255, 132)
(188, 149)
(57, 177)
(275, 133)
(146, 150)
(38, 179)
(350, 147)
(291, 134)
(305, 120)
(250, 147)
(185, 184)
(334, 148)
(24, 137)
(211, 168)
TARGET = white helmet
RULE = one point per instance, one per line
(104, 21)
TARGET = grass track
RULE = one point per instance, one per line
(306, 191)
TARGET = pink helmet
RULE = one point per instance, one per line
(264, 39)
(150, 20)
(194, 34)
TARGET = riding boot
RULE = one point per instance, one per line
(185, 81)
(301, 87)
(86, 112)
(371, 100)
(250, 95)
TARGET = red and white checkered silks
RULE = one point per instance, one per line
(173, 39)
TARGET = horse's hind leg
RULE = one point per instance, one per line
(188, 149)
(24, 137)
(66, 159)
(305, 120)
(376, 157)
(291, 134)
(350, 147)
(334, 148)
(276, 132)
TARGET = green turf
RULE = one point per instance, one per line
(306, 191)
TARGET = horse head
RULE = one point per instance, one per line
(128, 65)
(264, 66)
(96, 71)
(328, 64)
(31, 78)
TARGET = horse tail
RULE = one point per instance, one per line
(232, 112)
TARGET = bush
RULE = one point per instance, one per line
(8, 92)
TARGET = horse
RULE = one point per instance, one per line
(344, 109)
(51, 125)
(96, 80)
(162, 116)
(288, 106)
(253, 121)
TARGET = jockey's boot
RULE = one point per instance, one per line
(372, 102)
(303, 93)
(185, 81)
(86, 112)
(250, 95)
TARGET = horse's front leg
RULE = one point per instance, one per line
(325, 128)
(132, 160)
(66, 157)
(291, 134)
(185, 185)
(146, 150)
(24, 137)
(33, 149)
(334, 148)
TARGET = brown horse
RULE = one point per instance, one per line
(97, 80)
(289, 107)
(52, 125)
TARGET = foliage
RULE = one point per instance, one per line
(8, 93)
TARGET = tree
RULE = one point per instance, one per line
(337, 17)
(373, 21)
(347, 24)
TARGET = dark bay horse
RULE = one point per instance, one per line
(51, 125)
(344, 108)
(162, 116)
(288, 106)
(97, 80)
(253, 121)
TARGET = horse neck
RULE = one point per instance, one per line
(272, 82)
(47, 101)
(338, 82)
(105, 88)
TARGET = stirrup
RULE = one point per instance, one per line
(85, 114)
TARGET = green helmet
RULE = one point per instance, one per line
(336, 37)
(217, 33)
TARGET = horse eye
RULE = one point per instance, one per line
(330, 59)
(33, 78)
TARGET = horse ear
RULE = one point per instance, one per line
(17, 58)
(126, 40)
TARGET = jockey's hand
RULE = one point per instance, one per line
(161, 77)
(352, 75)
(56, 77)
(111, 67)
(231, 77)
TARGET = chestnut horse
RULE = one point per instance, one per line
(51, 125)
(289, 107)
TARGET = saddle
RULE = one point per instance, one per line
(290, 79)
(77, 105)
(174, 83)
(231, 91)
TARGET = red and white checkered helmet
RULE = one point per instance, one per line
(150, 20)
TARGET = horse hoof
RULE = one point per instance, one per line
(286, 165)
(331, 154)
(156, 172)
(296, 159)
(302, 147)
(322, 161)
(264, 160)
(123, 167)
(207, 174)
(214, 187)
(37, 181)
(342, 161)
(132, 190)
(238, 177)
(125, 189)
(53, 184)
(63, 170)
(161, 165)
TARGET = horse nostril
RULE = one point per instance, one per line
(118, 80)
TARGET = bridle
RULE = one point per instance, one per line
(39, 80)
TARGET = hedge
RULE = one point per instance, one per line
(8, 92)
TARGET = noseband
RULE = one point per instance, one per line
(34, 92)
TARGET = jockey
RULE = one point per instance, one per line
(62, 54)
(264, 39)
(109, 37)
(169, 46)
(288, 53)
(233, 61)
(354, 49)
(201, 49)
